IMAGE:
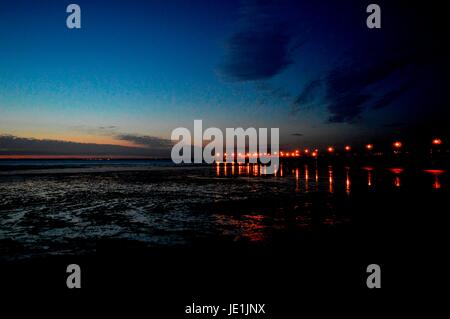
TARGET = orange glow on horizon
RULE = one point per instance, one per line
(85, 157)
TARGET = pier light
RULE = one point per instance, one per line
(437, 141)
(369, 146)
(348, 148)
(397, 144)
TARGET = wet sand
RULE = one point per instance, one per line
(206, 231)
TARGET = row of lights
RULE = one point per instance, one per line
(397, 145)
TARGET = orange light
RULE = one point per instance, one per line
(293, 154)
(397, 181)
(314, 154)
(436, 184)
(306, 150)
(397, 144)
(437, 141)
(330, 149)
(348, 148)
(369, 146)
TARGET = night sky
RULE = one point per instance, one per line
(136, 70)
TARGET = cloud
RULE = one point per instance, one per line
(347, 107)
(348, 88)
(370, 70)
(145, 140)
(390, 97)
(306, 98)
(262, 46)
(12, 145)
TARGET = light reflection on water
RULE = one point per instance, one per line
(236, 201)
(303, 182)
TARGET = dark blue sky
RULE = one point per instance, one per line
(138, 69)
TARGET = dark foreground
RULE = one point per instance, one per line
(165, 238)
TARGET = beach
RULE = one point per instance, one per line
(205, 231)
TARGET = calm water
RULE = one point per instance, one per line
(57, 208)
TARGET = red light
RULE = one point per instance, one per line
(330, 149)
(306, 150)
(369, 146)
(396, 170)
(348, 148)
(437, 141)
(397, 144)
